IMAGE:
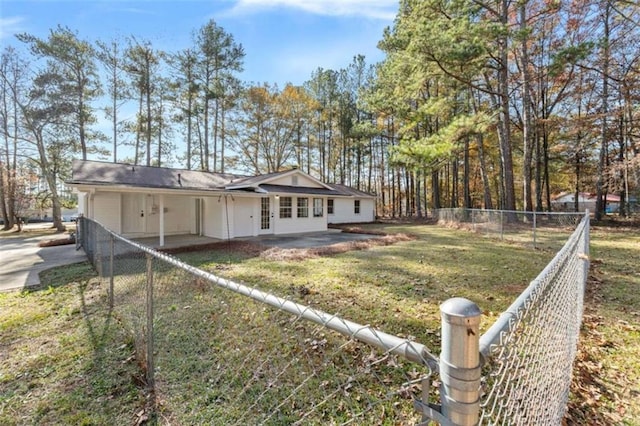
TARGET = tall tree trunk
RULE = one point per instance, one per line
(147, 88)
(466, 176)
(114, 124)
(454, 183)
(222, 137)
(486, 184)
(418, 195)
(139, 127)
(50, 178)
(81, 123)
(204, 162)
(216, 124)
(546, 177)
(606, 53)
(435, 189)
(505, 118)
(527, 135)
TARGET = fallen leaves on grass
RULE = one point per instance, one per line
(592, 392)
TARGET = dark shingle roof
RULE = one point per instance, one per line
(349, 191)
(102, 173)
(118, 174)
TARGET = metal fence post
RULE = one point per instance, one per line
(99, 257)
(534, 229)
(149, 349)
(501, 225)
(585, 247)
(473, 220)
(460, 361)
(111, 243)
(79, 233)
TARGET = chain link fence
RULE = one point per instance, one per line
(213, 351)
(529, 351)
(540, 229)
(217, 352)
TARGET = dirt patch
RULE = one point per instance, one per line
(247, 248)
(276, 253)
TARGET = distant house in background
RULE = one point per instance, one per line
(139, 201)
(565, 202)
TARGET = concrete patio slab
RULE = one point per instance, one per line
(22, 260)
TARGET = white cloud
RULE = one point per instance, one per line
(376, 9)
(10, 26)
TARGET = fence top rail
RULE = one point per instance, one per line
(410, 350)
(493, 335)
(460, 209)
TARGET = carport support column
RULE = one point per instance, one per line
(161, 220)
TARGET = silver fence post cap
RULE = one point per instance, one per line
(459, 309)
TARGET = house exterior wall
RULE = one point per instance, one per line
(215, 217)
(106, 210)
(178, 214)
(344, 211)
(246, 215)
(295, 224)
(137, 214)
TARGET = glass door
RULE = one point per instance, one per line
(265, 215)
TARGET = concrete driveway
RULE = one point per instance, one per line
(21, 260)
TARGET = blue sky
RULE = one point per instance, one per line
(284, 40)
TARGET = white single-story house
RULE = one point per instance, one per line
(138, 201)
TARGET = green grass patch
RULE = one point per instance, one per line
(223, 359)
(63, 359)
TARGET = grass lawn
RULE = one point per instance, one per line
(68, 360)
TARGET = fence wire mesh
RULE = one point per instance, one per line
(216, 352)
(539, 229)
(530, 350)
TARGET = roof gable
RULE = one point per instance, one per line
(293, 177)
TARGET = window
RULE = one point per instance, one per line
(285, 207)
(330, 206)
(317, 207)
(356, 206)
(303, 207)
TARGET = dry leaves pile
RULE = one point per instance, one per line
(594, 398)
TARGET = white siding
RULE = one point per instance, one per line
(343, 210)
(296, 224)
(246, 214)
(178, 214)
(106, 210)
(215, 217)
